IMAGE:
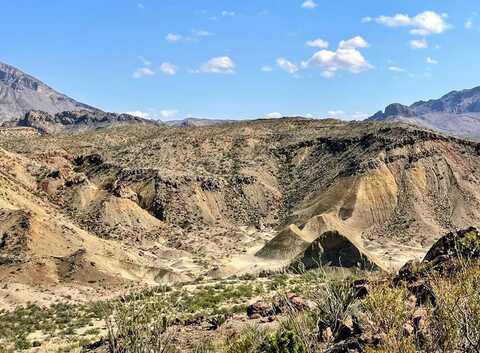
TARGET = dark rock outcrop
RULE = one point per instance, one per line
(76, 121)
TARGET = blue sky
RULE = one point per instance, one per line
(170, 59)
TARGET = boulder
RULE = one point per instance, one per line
(260, 309)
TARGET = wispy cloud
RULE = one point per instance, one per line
(287, 65)
(143, 72)
(266, 68)
(418, 43)
(202, 33)
(309, 4)
(431, 61)
(173, 37)
(228, 13)
(396, 69)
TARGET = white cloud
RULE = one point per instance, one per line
(394, 21)
(173, 37)
(360, 116)
(274, 115)
(396, 69)
(202, 33)
(219, 65)
(336, 113)
(142, 72)
(287, 66)
(228, 13)
(168, 113)
(469, 24)
(423, 24)
(346, 57)
(317, 43)
(353, 43)
(139, 114)
(309, 4)
(367, 19)
(418, 44)
(431, 61)
(266, 68)
(168, 69)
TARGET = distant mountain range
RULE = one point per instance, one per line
(456, 113)
(198, 122)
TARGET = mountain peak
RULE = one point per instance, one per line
(457, 113)
(21, 93)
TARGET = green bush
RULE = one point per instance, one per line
(285, 342)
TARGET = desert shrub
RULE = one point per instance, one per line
(204, 347)
(386, 311)
(21, 343)
(251, 340)
(334, 302)
(455, 324)
(285, 341)
(139, 325)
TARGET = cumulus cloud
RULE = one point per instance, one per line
(423, 24)
(347, 57)
(431, 61)
(274, 115)
(173, 37)
(418, 44)
(353, 43)
(287, 65)
(142, 72)
(219, 65)
(317, 43)
(309, 4)
(168, 69)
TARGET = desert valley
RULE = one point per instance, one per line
(131, 226)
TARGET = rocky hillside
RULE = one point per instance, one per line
(20, 93)
(456, 113)
(386, 190)
(75, 121)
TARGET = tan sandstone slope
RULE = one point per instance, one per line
(153, 204)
